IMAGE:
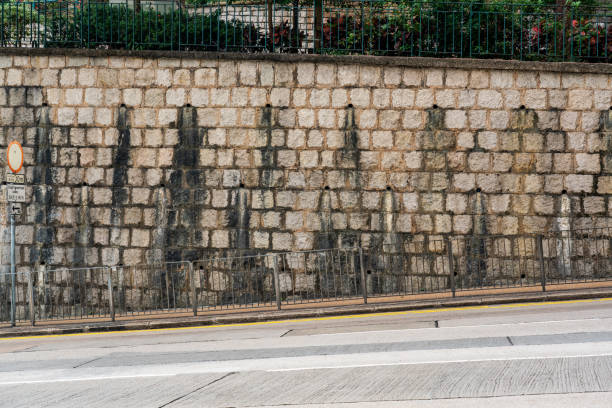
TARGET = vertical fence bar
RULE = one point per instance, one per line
(31, 299)
(541, 261)
(277, 283)
(111, 300)
(451, 267)
(13, 299)
(193, 289)
(364, 286)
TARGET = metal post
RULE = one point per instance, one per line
(541, 261)
(364, 286)
(111, 300)
(31, 299)
(451, 264)
(193, 289)
(277, 284)
(13, 306)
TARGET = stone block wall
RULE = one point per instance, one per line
(134, 158)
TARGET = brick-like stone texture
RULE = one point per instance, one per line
(132, 160)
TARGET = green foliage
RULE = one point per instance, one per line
(516, 29)
(539, 29)
(21, 23)
(117, 26)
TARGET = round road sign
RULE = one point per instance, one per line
(14, 156)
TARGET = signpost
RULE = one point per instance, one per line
(15, 193)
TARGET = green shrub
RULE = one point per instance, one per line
(105, 25)
(21, 24)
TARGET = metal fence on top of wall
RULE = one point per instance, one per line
(512, 30)
(395, 267)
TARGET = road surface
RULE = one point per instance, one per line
(545, 355)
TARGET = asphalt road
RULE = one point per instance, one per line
(539, 355)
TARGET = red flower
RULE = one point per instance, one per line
(574, 23)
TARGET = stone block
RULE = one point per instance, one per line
(445, 98)
(576, 183)
(247, 72)
(499, 119)
(175, 97)
(204, 77)
(462, 224)
(535, 99)
(392, 76)
(266, 74)
(424, 98)
(305, 74)
(412, 119)
(487, 140)
(144, 157)
(306, 118)
(478, 161)
(227, 73)
(604, 184)
(280, 97)
(326, 74)
(587, 163)
(369, 76)
(73, 96)
(455, 119)
(220, 239)
(348, 75)
(479, 79)
(572, 80)
(402, 98)
(326, 118)
(456, 78)
(66, 116)
(526, 79)
(309, 159)
(464, 182)
(533, 183)
(550, 80)
(360, 97)
(594, 205)
(413, 160)
(490, 99)
(544, 204)
(580, 99)
(132, 97)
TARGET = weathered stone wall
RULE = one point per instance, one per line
(159, 157)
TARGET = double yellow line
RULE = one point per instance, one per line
(314, 319)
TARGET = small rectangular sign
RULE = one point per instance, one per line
(15, 209)
(15, 178)
(15, 193)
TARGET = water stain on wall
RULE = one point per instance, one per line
(119, 191)
(43, 192)
(184, 237)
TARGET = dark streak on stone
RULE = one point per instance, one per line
(268, 151)
(42, 251)
(350, 158)
(121, 158)
(184, 238)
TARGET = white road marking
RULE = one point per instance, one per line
(312, 362)
(438, 362)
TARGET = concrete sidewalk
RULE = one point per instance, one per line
(568, 292)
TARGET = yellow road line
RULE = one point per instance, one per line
(314, 319)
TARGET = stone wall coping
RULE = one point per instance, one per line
(408, 62)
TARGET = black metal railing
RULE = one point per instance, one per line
(431, 28)
(245, 279)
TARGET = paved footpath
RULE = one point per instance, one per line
(551, 354)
